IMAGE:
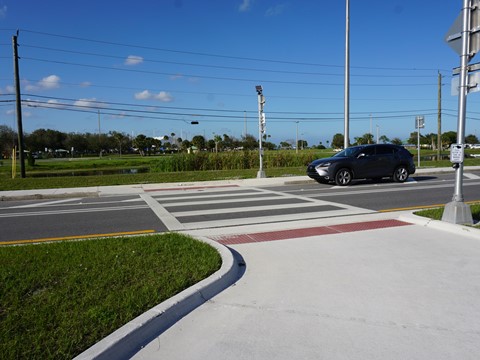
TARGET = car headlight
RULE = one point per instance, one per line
(323, 165)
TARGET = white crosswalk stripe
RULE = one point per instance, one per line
(471, 176)
(201, 209)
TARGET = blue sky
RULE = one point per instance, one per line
(152, 67)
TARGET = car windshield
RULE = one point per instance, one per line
(349, 152)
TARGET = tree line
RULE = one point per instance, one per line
(428, 140)
(53, 143)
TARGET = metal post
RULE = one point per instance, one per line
(19, 106)
(419, 124)
(418, 139)
(439, 117)
(296, 140)
(347, 75)
(457, 211)
(260, 173)
(245, 131)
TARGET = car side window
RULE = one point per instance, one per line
(384, 150)
(369, 151)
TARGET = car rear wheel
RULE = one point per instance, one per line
(400, 174)
(343, 177)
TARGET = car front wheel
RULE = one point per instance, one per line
(343, 177)
(400, 174)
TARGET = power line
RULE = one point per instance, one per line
(216, 77)
(231, 94)
(219, 55)
(220, 66)
(204, 117)
(101, 103)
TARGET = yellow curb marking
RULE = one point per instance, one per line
(424, 206)
(76, 237)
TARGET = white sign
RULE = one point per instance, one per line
(456, 153)
(473, 83)
(419, 122)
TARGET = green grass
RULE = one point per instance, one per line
(147, 178)
(58, 299)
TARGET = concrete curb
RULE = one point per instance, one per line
(130, 338)
(454, 229)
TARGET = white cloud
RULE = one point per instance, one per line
(162, 96)
(10, 89)
(144, 95)
(245, 5)
(85, 84)
(3, 12)
(54, 104)
(91, 103)
(47, 83)
(133, 60)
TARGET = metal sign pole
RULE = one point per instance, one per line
(261, 102)
(457, 211)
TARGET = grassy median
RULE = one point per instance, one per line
(58, 299)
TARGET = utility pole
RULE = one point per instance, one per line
(439, 117)
(19, 106)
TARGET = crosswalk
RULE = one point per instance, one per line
(223, 207)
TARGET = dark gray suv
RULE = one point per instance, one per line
(364, 162)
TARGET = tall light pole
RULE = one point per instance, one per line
(347, 75)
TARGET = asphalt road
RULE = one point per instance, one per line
(203, 208)
(419, 191)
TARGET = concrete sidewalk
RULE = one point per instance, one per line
(408, 292)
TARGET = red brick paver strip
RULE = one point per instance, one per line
(313, 231)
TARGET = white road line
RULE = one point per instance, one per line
(203, 201)
(246, 209)
(44, 203)
(165, 217)
(471, 176)
(273, 219)
(315, 200)
(73, 211)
